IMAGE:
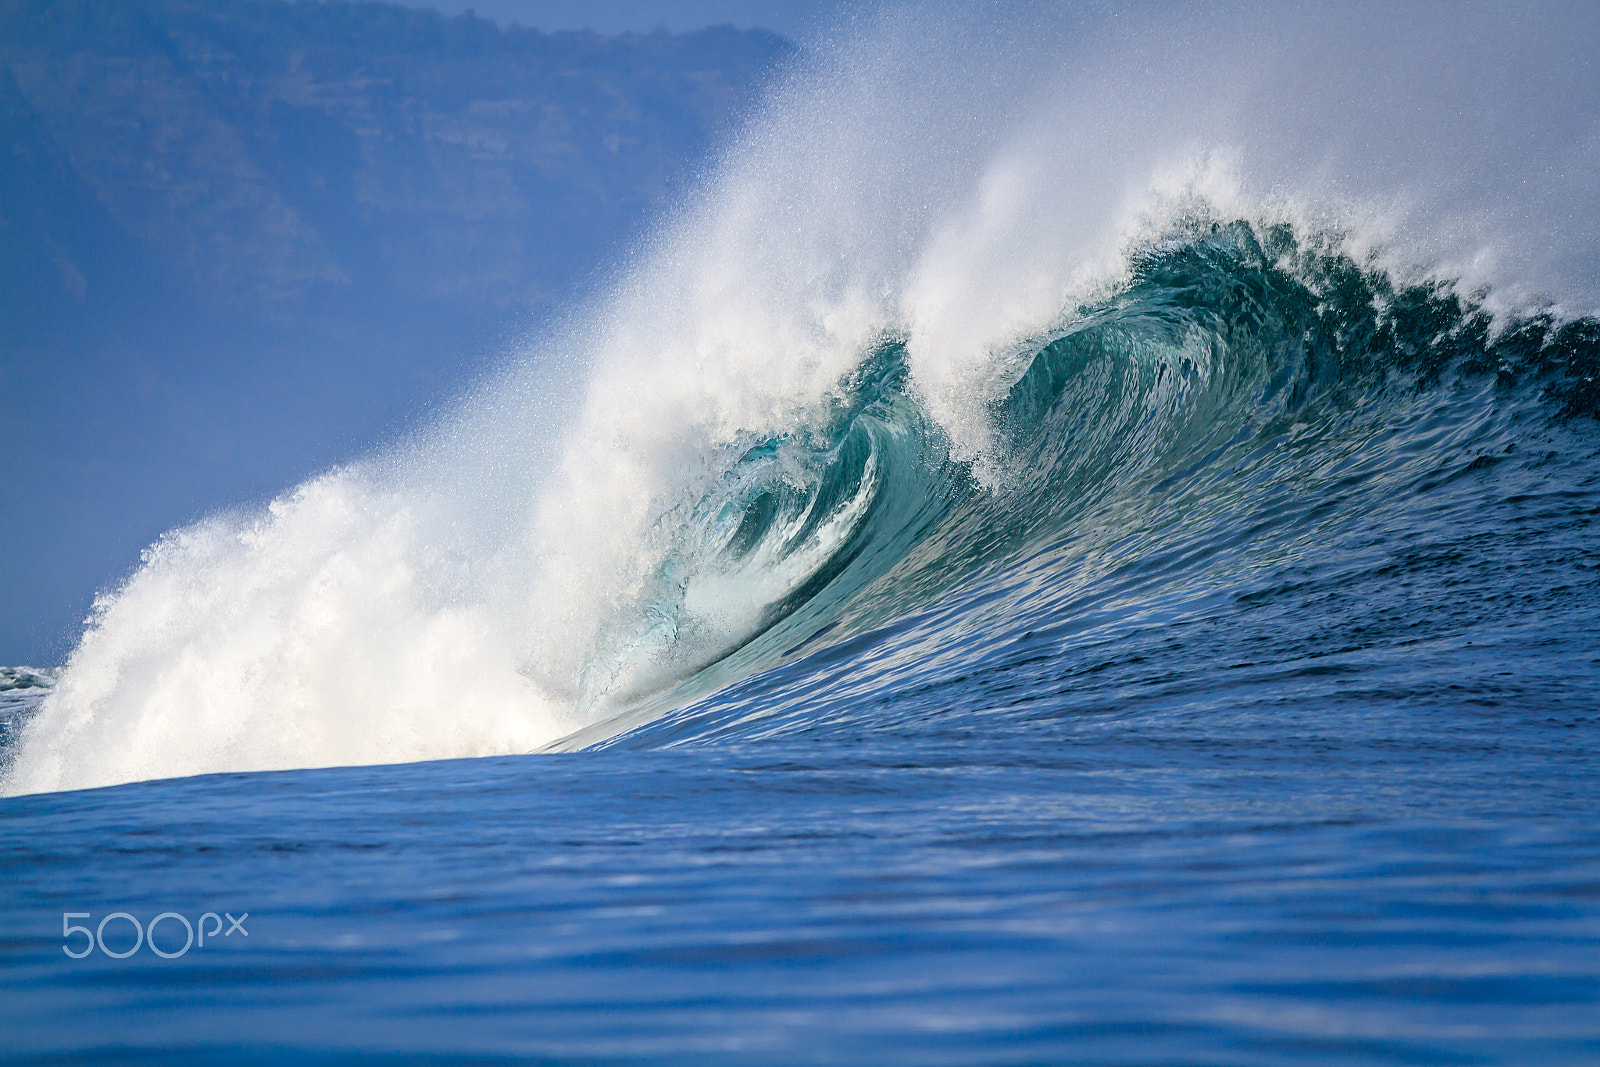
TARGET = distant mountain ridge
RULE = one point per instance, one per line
(265, 151)
(243, 239)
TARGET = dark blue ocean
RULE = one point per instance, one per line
(1275, 742)
(1076, 542)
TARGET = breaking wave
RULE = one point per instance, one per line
(980, 330)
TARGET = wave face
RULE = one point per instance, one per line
(1029, 365)
(1257, 475)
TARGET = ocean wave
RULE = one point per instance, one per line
(1243, 372)
(28, 678)
(963, 342)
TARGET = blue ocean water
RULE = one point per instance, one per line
(1274, 745)
(1133, 889)
(945, 626)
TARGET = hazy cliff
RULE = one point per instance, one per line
(271, 150)
(242, 238)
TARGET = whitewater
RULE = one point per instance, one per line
(999, 299)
